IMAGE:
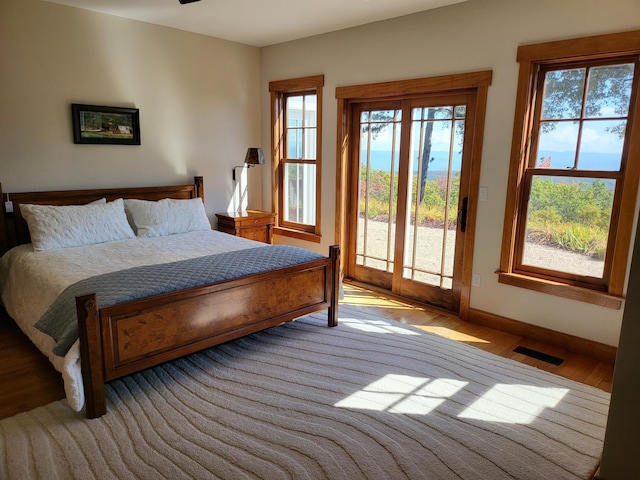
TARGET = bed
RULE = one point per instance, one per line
(118, 339)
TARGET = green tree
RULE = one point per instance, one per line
(608, 89)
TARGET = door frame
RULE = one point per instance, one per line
(476, 84)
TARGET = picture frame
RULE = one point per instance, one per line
(104, 125)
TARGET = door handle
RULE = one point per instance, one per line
(462, 214)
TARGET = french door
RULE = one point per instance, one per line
(409, 195)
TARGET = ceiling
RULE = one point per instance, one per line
(258, 22)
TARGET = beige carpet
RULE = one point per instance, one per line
(369, 399)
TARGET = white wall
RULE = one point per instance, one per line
(198, 97)
(475, 35)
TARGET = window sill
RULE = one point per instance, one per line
(558, 289)
(300, 235)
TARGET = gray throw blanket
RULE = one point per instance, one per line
(60, 321)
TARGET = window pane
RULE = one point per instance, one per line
(294, 111)
(440, 112)
(563, 91)
(609, 91)
(433, 113)
(294, 143)
(461, 111)
(300, 193)
(310, 110)
(383, 117)
(568, 224)
(309, 144)
(601, 145)
(557, 144)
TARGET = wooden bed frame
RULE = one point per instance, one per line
(132, 336)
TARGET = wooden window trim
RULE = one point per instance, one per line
(531, 57)
(299, 234)
(279, 90)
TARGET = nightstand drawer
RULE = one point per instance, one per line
(254, 221)
(259, 234)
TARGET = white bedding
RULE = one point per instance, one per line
(31, 281)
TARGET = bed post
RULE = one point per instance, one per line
(91, 357)
(334, 255)
(199, 183)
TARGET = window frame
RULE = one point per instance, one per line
(280, 91)
(532, 59)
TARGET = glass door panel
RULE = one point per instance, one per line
(378, 188)
(435, 166)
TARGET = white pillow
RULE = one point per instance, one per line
(167, 216)
(53, 226)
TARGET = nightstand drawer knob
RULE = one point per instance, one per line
(255, 234)
(255, 221)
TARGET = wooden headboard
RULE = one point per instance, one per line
(14, 230)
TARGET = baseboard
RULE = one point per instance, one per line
(574, 344)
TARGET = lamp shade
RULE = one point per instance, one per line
(254, 156)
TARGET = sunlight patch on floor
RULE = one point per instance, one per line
(452, 334)
(365, 301)
(520, 404)
(359, 296)
(375, 326)
(403, 394)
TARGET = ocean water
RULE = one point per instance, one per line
(380, 160)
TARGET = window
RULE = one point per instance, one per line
(574, 168)
(296, 107)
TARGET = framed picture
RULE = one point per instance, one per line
(105, 125)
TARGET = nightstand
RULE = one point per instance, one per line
(251, 224)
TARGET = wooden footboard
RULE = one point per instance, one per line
(129, 337)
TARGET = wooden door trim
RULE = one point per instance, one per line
(473, 82)
(403, 88)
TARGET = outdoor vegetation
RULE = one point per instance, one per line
(431, 211)
(570, 215)
(565, 214)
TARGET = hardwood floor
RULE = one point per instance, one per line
(28, 380)
(575, 367)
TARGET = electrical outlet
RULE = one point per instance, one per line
(483, 194)
(475, 280)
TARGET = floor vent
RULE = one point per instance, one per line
(545, 357)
